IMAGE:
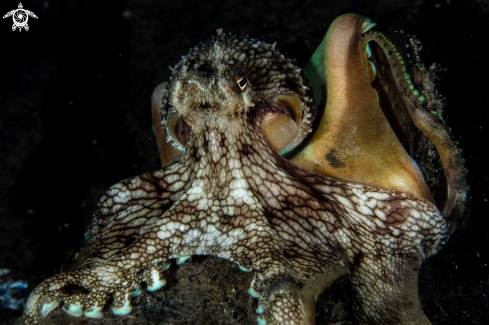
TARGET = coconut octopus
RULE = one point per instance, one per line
(349, 200)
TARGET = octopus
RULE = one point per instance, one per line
(249, 176)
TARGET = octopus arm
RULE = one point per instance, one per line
(124, 248)
(386, 221)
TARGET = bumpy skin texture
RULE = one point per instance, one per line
(231, 195)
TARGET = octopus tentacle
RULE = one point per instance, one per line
(290, 303)
(121, 250)
(354, 142)
(370, 231)
(384, 235)
(387, 290)
(433, 126)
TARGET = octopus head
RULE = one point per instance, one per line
(232, 85)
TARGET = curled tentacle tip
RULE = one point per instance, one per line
(182, 259)
(73, 309)
(156, 285)
(259, 309)
(156, 281)
(95, 312)
(137, 291)
(372, 71)
(125, 309)
(49, 307)
(253, 293)
(367, 25)
(165, 266)
(261, 321)
(369, 51)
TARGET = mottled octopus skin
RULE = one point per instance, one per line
(231, 195)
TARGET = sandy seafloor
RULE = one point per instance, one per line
(75, 119)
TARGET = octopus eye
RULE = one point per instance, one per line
(178, 130)
(241, 80)
(282, 129)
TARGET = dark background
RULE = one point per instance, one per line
(75, 116)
